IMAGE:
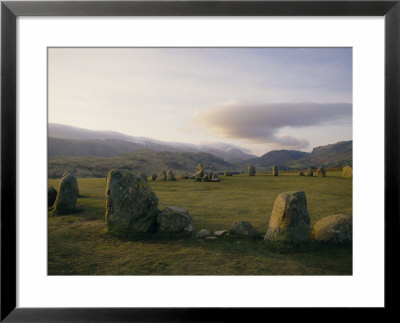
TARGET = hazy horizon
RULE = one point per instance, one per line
(199, 144)
(259, 99)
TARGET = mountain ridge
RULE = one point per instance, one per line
(72, 141)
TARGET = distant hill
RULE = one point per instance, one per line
(338, 154)
(71, 141)
(140, 161)
(279, 158)
(83, 148)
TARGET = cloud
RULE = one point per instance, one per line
(265, 123)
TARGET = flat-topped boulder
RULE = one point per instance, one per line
(290, 221)
(337, 229)
(174, 219)
(131, 204)
(347, 172)
(244, 229)
(67, 195)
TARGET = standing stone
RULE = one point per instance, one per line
(310, 172)
(301, 173)
(67, 195)
(197, 178)
(347, 172)
(153, 177)
(321, 172)
(275, 171)
(215, 178)
(131, 205)
(290, 220)
(199, 171)
(162, 176)
(210, 175)
(244, 229)
(205, 178)
(170, 176)
(51, 196)
(251, 170)
(174, 219)
(334, 229)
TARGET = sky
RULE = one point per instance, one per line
(260, 99)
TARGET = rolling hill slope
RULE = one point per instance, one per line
(71, 141)
(140, 161)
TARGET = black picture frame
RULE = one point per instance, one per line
(11, 10)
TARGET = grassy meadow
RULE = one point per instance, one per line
(78, 244)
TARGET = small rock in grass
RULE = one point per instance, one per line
(203, 233)
(244, 229)
(220, 233)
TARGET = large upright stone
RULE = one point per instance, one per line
(51, 196)
(336, 229)
(275, 171)
(199, 171)
(173, 219)
(310, 172)
(321, 172)
(170, 176)
(67, 195)
(251, 170)
(301, 173)
(290, 220)
(347, 172)
(131, 205)
(161, 177)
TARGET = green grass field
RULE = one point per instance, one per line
(78, 244)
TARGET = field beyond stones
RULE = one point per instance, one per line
(78, 244)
